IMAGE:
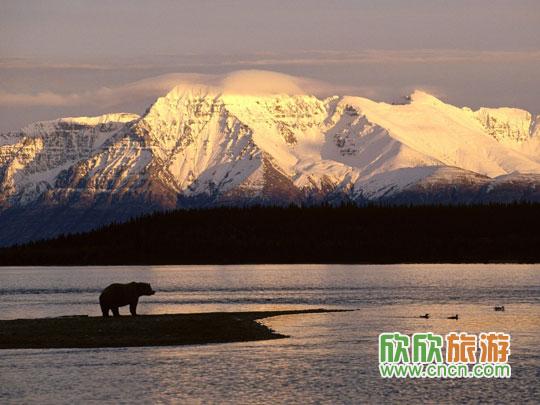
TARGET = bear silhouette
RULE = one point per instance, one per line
(118, 295)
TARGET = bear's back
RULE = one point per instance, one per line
(119, 294)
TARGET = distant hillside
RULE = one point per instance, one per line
(347, 234)
(203, 147)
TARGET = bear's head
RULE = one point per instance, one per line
(145, 289)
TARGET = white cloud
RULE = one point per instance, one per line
(241, 82)
(151, 87)
(266, 82)
(38, 99)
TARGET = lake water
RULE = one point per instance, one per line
(330, 358)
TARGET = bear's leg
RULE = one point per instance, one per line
(104, 310)
(115, 311)
(133, 308)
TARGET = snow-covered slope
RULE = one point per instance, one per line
(454, 136)
(531, 146)
(32, 159)
(201, 146)
(509, 126)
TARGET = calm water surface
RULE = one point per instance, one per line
(330, 358)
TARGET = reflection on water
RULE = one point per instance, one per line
(330, 358)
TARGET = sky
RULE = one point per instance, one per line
(88, 57)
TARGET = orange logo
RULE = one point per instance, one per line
(494, 347)
(461, 348)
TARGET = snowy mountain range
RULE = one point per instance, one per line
(198, 147)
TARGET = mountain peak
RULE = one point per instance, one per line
(420, 96)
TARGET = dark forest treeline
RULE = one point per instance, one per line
(347, 234)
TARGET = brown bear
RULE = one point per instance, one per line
(117, 295)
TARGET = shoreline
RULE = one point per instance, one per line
(142, 330)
